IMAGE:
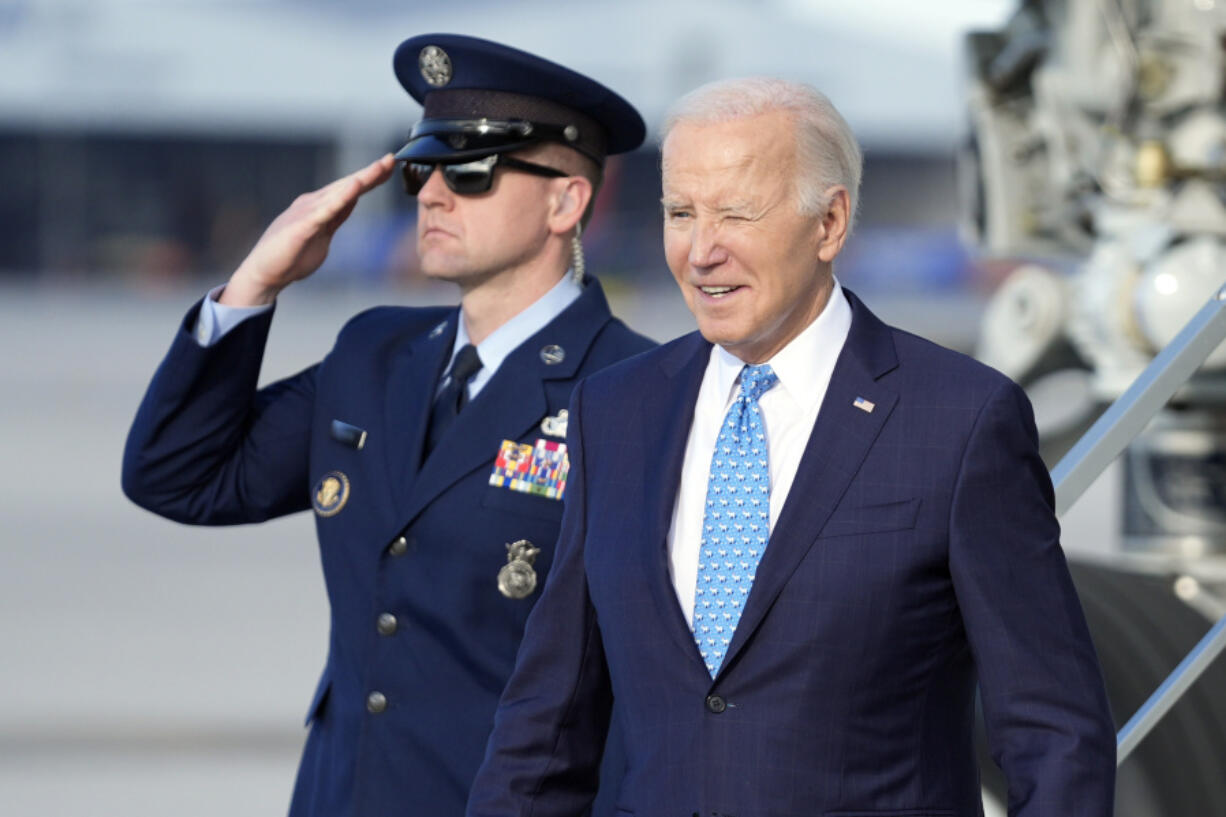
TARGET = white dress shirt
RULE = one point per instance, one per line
(789, 410)
(216, 319)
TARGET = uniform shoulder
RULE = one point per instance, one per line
(618, 332)
(388, 321)
(616, 342)
(635, 373)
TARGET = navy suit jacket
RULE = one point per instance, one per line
(207, 447)
(917, 550)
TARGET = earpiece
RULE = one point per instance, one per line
(576, 255)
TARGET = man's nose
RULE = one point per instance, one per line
(435, 193)
(705, 247)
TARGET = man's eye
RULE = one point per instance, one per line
(677, 215)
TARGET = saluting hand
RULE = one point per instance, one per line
(297, 241)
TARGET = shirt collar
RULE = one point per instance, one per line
(507, 338)
(815, 349)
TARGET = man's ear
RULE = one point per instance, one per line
(570, 200)
(835, 224)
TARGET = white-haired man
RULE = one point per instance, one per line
(795, 539)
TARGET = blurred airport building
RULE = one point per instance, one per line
(151, 143)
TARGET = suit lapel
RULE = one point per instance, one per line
(415, 372)
(666, 420)
(841, 439)
(513, 401)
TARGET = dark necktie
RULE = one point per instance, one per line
(453, 396)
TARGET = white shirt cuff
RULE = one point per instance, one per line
(215, 319)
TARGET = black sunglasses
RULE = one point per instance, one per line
(470, 178)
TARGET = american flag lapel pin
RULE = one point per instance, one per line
(866, 406)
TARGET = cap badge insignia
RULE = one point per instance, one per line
(330, 494)
(517, 578)
(555, 426)
(435, 66)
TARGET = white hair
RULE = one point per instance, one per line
(826, 150)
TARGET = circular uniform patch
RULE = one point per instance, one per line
(330, 494)
(553, 354)
(435, 66)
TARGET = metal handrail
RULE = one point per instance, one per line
(1172, 689)
(1105, 440)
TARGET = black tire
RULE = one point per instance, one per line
(1142, 631)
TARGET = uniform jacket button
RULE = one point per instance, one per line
(398, 546)
(386, 624)
(376, 702)
(716, 704)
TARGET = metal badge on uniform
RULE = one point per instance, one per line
(330, 494)
(351, 436)
(435, 66)
(539, 469)
(553, 354)
(517, 578)
(555, 426)
(438, 330)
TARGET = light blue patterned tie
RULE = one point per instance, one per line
(736, 522)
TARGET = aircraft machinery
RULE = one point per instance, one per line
(1098, 144)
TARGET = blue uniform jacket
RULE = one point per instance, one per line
(917, 552)
(423, 543)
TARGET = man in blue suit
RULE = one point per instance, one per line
(794, 541)
(430, 441)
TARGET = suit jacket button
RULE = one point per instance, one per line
(398, 547)
(716, 704)
(386, 624)
(376, 702)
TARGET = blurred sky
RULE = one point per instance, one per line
(892, 66)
